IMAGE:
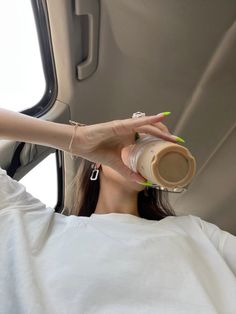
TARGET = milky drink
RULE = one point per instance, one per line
(162, 162)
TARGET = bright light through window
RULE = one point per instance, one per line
(41, 182)
(22, 81)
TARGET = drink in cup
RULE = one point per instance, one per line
(164, 163)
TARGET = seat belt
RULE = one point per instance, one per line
(15, 162)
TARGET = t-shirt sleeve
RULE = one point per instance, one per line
(13, 195)
(224, 241)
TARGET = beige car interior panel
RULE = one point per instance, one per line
(156, 56)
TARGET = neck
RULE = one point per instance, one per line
(114, 198)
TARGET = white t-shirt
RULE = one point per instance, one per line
(110, 263)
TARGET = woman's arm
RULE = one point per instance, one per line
(101, 143)
(20, 127)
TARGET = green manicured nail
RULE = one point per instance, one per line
(179, 139)
(146, 183)
(166, 113)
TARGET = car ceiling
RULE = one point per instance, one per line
(155, 56)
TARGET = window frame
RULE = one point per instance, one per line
(39, 8)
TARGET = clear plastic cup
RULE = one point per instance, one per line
(167, 165)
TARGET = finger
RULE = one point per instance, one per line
(145, 120)
(149, 129)
(162, 127)
(125, 126)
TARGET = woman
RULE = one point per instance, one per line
(122, 250)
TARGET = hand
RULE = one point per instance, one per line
(103, 142)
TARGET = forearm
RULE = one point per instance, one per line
(20, 127)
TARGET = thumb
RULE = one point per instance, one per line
(126, 172)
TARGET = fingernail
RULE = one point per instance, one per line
(166, 113)
(179, 139)
(146, 183)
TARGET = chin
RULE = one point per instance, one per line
(134, 186)
(113, 175)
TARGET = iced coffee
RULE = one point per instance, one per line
(162, 162)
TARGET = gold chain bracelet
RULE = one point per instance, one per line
(76, 124)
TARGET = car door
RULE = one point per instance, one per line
(113, 58)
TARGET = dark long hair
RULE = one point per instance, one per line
(153, 204)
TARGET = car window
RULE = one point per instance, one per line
(22, 78)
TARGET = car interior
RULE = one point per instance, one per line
(104, 60)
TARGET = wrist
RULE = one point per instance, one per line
(61, 136)
(20, 127)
